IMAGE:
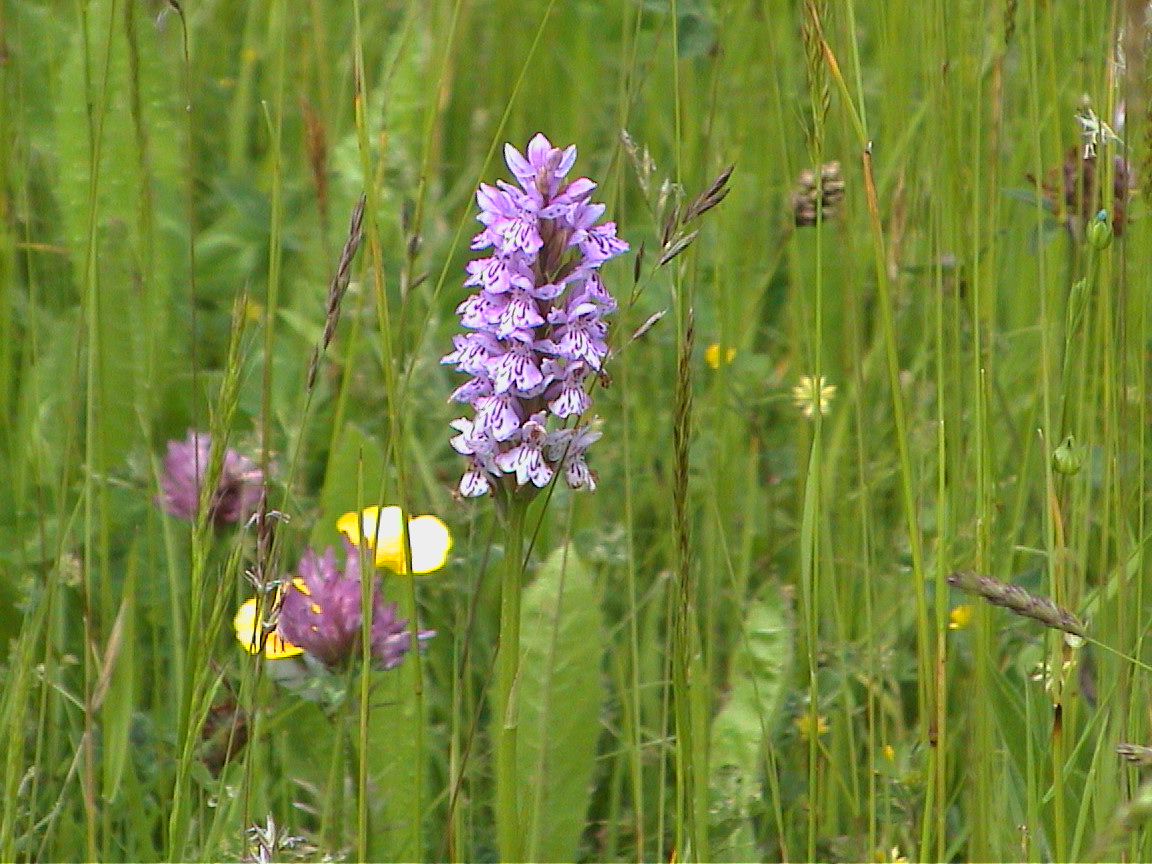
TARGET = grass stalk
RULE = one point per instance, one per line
(161, 160)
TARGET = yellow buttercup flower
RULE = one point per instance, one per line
(892, 856)
(252, 310)
(960, 616)
(810, 723)
(248, 634)
(712, 355)
(428, 538)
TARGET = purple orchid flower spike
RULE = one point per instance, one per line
(535, 328)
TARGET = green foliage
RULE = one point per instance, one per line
(394, 772)
(561, 693)
(758, 681)
(175, 185)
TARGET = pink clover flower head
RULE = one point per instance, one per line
(238, 488)
(321, 613)
(535, 330)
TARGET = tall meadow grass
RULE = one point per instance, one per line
(827, 394)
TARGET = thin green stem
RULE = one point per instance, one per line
(508, 835)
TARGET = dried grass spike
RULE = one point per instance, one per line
(316, 143)
(338, 286)
(710, 197)
(1016, 599)
(1137, 754)
(816, 70)
(676, 246)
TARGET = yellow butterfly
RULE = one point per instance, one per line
(428, 538)
(256, 637)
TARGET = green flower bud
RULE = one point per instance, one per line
(1100, 232)
(1068, 458)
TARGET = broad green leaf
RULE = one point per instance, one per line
(396, 786)
(560, 694)
(112, 130)
(312, 749)
(761, 663)
(46, 419)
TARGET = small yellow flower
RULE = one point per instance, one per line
(813, 394)
(889, 752)
(248, 633)
(253, 311)
(805, 722)
(892, 856)
(712, 355)
(960, 616)
(428, 538)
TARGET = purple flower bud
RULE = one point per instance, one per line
(238, 488)
(535, 329)
(321, 613)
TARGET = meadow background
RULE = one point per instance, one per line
(742, 645)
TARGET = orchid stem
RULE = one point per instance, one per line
(507, 675)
